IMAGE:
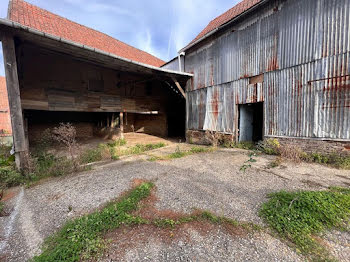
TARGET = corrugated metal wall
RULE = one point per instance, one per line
(302, 47)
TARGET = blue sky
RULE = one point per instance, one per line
(160, 27)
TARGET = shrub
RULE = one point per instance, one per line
(66, 134)
(269, 146)
(213, 137)
(50, 165)
(10, 177)
(290, 152)
(1, 208)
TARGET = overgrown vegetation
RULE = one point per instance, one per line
(301, 216)
(42, 163)
(295, 154)
(82, 238)
(1, 208)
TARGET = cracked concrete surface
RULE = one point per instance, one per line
(210, 181)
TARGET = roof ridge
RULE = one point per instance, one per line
(79, 24)
(226, 16)
(112, 43)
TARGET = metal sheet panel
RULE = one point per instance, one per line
(283, 35)
(310, 100)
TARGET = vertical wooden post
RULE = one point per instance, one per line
(121, 121)
(19, 139)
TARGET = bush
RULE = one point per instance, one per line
(50, 165)
(214, 137)
(10, 177)
(269, 146)
(290, 152)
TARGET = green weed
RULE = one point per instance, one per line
(1, 208)
(82, 237)
(118, 142)
(299, 216)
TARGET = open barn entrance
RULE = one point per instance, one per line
(251, 121)
(88, 124)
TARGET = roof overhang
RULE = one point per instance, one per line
(253, 8)
(86, 53)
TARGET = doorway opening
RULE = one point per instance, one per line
(251, 122)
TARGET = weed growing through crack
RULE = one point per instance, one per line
(179, 153)
(82, 238)
(248, 164)
(301, 216)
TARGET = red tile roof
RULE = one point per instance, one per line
(45, 21)
(226, 17)
(5, 120)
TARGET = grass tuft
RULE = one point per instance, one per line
(300, 216)
(82, 237)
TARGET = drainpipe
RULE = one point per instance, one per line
(179, 58)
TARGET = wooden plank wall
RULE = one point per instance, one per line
(51, 81)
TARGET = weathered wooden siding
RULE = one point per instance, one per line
(49, 81)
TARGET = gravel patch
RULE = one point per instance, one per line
(210, 181)
(216, 246)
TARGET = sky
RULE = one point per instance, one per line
(159, 27)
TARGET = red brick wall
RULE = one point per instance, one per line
(5, 120)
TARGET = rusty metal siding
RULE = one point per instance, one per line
(311, 100)
(299, 32)
(219, 105)
(302, 47)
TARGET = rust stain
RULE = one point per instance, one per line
(215, 104)
(272, 64)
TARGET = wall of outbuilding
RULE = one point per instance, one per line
(301, 49)
(53, 82)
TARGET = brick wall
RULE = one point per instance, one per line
(318, 146)
(306, 145)
(5, 119)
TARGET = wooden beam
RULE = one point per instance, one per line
(121, 121)
(179, 87)
(19, 139)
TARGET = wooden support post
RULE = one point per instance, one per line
(12, 82)
(179, 87)
(121, 121)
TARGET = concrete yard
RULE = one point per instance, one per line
(209, 181)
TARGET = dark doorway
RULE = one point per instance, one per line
(251, 122)
(176, 118)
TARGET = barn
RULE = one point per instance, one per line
(60, 71)
(272, 69)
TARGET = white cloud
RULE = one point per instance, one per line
(158, 27)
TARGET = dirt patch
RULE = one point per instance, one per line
(311, 183)
(9, 194)
(125, 238)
